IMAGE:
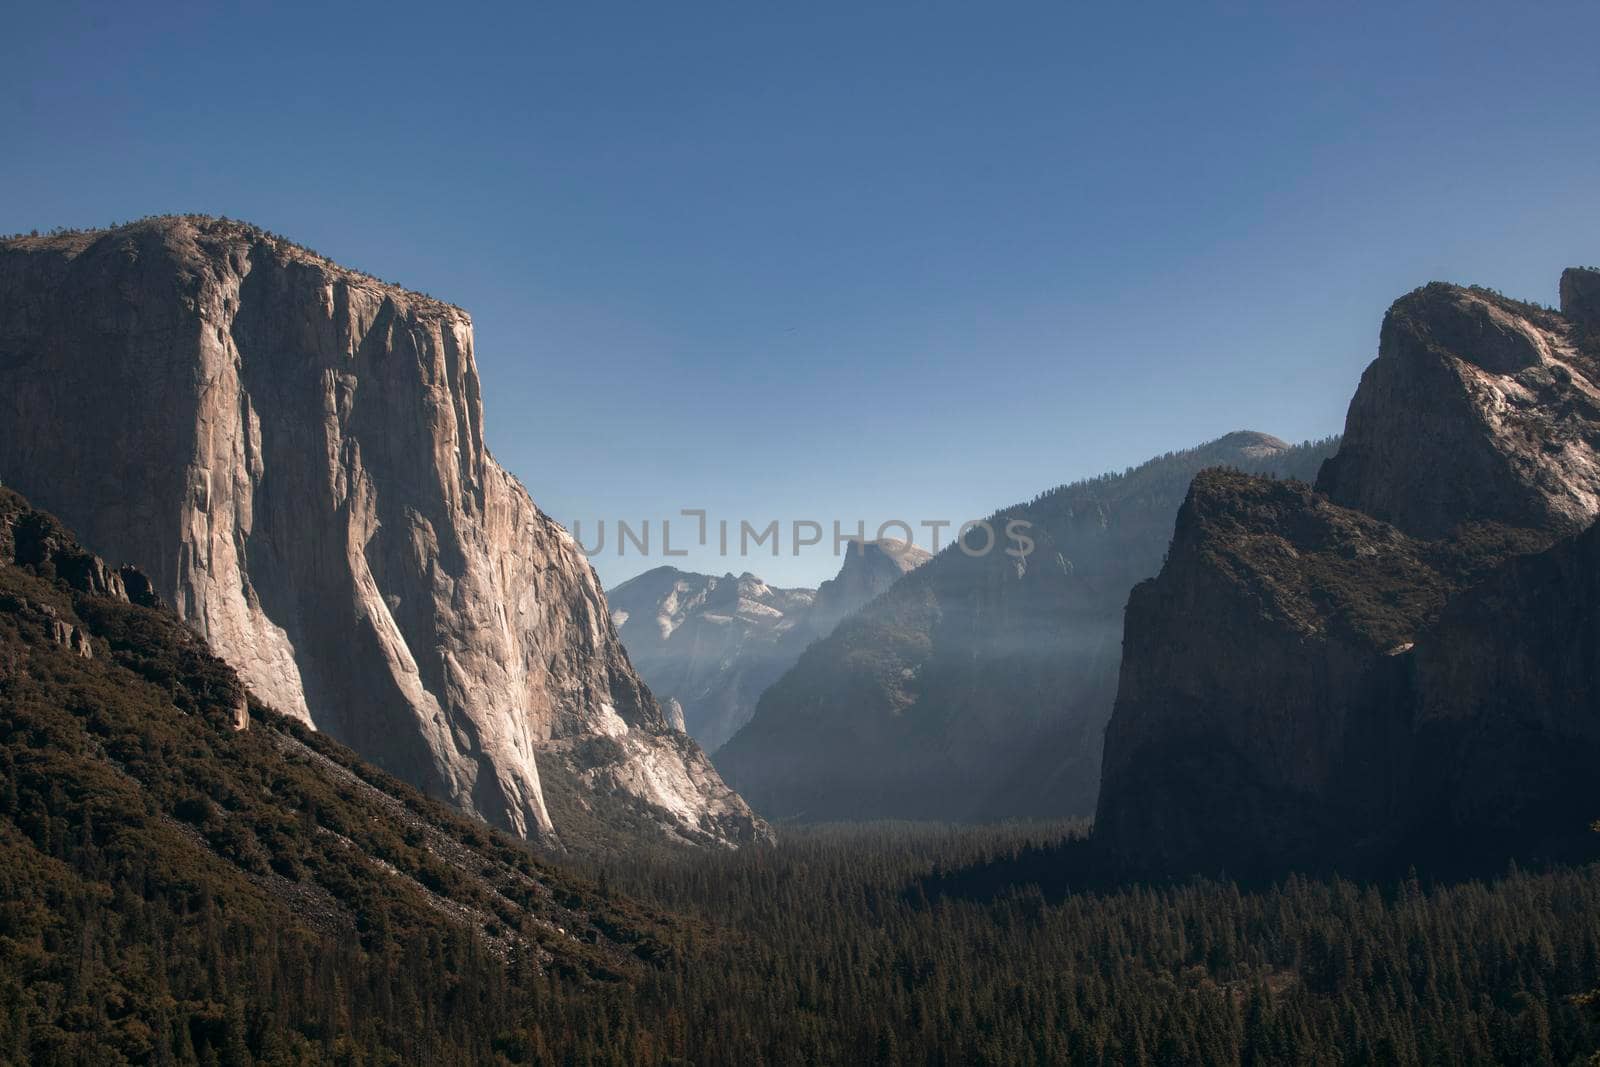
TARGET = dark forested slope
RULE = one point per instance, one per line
(186, 876)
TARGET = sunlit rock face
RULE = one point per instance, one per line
(1478, 408)
(1402, 663)
(712, 645)
(295, 453)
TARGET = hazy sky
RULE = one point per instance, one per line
(862, 261)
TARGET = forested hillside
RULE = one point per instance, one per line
(177, 889)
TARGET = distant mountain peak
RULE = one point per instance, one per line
(904, 554)
(1253, 443)
(708, 646)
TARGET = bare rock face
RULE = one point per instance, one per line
(1507, 699)
(1477, 408)
(295, 453)
(1400, 666)
(711, 646)
(674, 713)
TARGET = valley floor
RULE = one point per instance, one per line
(854, 943)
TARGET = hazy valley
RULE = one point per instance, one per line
(711, 646)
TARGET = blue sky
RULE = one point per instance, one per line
(848, 261)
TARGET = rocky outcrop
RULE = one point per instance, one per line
(47, 577)
(1398, 666)
(978, 686)
(711, 646)
(1580, 302)
(295, 453)
(1477, 408)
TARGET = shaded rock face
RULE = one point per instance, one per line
(711, 646)
(295, 453)
(1507, 701)
(978, 687)
(1313, 685)
(1263, 717)
(1580, 301)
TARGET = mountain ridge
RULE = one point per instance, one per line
(710, 646)
(976, 687)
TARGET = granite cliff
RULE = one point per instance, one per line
(1398, 665)
(294, 452)
(711, 646)
(1477, 408)
(979, 685)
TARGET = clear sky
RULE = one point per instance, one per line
(854, 261)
